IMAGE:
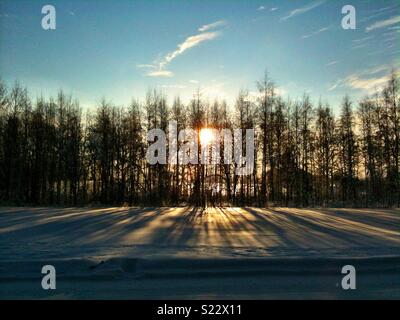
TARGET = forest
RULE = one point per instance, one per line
(52, 152)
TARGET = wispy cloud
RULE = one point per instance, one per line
(213, 25)
(273, 9)
(383, 23)
(190, 42)
(371, 80)
(155, 71)
(316, 32)
(322, 30)
(331, 63)
(146, 66)
(362, 39)
(260, 8)
(361, 42)
(379, 69)
(367, 84)
(377, 13)
(158, 69)
(302, 10)
(359, 46)
(334, 86)
(160, 73)
(386, 8)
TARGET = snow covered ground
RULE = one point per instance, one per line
(190, 253)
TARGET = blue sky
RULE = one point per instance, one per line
(119, 49)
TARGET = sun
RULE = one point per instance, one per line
(206, 136)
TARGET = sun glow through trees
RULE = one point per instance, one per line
(206, 136)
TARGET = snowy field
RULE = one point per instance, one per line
(190, 253)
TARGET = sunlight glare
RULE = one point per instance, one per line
(206, 136)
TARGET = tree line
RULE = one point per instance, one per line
(53, 153)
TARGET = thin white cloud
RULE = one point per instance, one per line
(273, 9)
(377, 13)
(334, 86)
(358, 46)
(316, 32)
(362, 39)
(322, 30)
(213, 25)
(368, 84)
(332, 63)
(383, 23)
(160, 73)
(385, 8)
(370, 80)
(190, 42)
(302, 10)
(260, 8)
(378, 69)
(146, 66)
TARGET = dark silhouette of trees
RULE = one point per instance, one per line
(348, 152)
(54, 153)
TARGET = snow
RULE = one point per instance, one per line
(139, 245)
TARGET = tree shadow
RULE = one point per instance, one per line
(101, 230)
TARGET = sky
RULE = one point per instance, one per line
(119, 49)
